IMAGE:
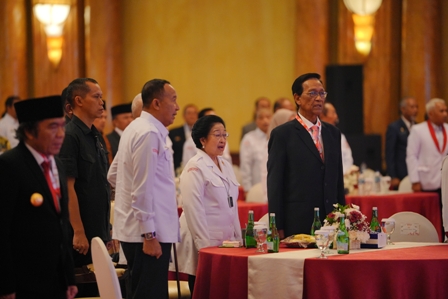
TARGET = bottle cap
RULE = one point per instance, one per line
(271, 214)
(375, 208)
(316, 209)
(251, 212)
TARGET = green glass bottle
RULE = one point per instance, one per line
(316, 222)
(374, 224)
(249, 236)
(273, 239)
(343, 239)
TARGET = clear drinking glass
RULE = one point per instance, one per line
(388, 227)
(331, 232)
(260, 233)
(322, 241)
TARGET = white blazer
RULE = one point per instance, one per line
(207, 219)
(423, 158)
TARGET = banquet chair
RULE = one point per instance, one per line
(405, 185)
(105, 273)
(413, 227)
(255, 194)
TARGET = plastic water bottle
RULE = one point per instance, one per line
(377, 183)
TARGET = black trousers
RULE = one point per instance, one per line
(148, 275)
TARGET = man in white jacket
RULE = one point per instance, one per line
(427, 146)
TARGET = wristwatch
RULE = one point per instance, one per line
(149, 236)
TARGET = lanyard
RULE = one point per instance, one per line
(434, 138)
(229, 198)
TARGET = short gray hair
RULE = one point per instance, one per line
(432, 104)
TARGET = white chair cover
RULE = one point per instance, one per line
(413, 227)
(255, 194)
(105, 273)
(405, 185)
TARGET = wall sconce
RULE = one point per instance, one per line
(364, 20)
(53, 16)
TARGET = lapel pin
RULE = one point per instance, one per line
(37, 199)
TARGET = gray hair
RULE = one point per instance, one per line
(403, 101)
(432, 104)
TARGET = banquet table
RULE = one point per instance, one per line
(415, 272)
(424, 203)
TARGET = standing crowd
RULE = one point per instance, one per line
(59, 172)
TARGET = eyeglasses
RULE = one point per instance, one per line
(314, 94)
(219, 136)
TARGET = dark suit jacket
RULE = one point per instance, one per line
(298, 180)
(177, 136)
(114, 140)
(396, 142)
(35, 247)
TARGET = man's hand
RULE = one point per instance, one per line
(152, 248)
(80, 243)
(394, 183)
(71, 292)
(9, 296)
(416, 187)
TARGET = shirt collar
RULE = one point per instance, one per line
(310, 124)
(86, 130)
(38, 156)
(406, 122)
(160, 127)
(119, 132)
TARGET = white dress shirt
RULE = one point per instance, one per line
(8, 127)
(190, 150)
(252, 148)
(145, 194)
(208, 217)
(346, 151)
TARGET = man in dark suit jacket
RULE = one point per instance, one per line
(34, 223)
(301, 176)
(397, 140)
(178, 135)
(121, 118)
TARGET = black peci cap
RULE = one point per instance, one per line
(39, 109)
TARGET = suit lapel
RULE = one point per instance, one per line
(403, 127)
(307, 139)
(38, 175)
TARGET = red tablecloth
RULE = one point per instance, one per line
(402, 273)
(426, 204)
(243, 211)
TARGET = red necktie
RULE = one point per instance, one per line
(54, 192)
(315, 132)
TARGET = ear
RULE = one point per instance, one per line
(156, 104)
(78, 100)
(297, 99)
(29, 135)
(202, 140)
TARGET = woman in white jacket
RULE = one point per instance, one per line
(209, 192)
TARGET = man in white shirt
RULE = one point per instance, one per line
(9, 122)
(146, 220)
(252, 148)
(330, 116)
(427, 146)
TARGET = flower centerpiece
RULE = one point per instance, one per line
(355, 222)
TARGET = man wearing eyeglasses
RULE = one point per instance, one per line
(304, 163)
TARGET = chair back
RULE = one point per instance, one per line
(255, 194)
(405, 185)
(105, 273)
(413, 227)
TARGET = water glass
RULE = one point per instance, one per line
(388, 227)
(331, 232)
(260, 233)
(322, 241)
